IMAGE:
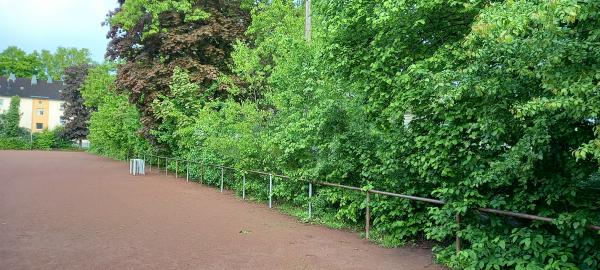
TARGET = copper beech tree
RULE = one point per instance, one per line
(76, 113)
(152, 38)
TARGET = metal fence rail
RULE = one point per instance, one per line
(310, 183)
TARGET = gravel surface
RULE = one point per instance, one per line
(69, 210)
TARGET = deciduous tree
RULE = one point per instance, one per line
(114, 124)
(154, 37)
(55, 63)
(11, 119)
(75, 111)
(16, 61)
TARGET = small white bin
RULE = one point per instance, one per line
(137, 167)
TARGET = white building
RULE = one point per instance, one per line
(41, 103)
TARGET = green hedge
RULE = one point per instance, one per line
(14, 144)
(45, 140)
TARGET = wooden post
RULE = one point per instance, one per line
(187, 171)
(176, 168)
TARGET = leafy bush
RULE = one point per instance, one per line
(14, 144)
(51, 139)
(470, 117)
(44, 140)
(114, 123)
(60, 141)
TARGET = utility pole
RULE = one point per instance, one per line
(307, 23)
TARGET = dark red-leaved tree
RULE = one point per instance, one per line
(201, 47)
(76, 113)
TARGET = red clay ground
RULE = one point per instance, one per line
(61, 210)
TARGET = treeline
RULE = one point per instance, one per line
(477, 103)
(44, 64)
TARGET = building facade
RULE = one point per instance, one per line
(41, 103)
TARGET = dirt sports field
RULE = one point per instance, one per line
(62, 210)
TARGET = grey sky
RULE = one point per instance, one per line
(47, 24)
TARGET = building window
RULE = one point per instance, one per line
(40, 102)
(62, 121)
(1, 101)
(40, 112)
(39, 126)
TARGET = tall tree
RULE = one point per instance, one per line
(114, 123)
(12, 118)
(75, 113)
(55, 63)
(16, 61)
(153, 37)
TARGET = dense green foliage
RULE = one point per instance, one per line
(51, 139)
(114, 123)
(16, 61)
(477, 103)
(14, 144)
(132, 11)
(11, 135)
(10, 120)
(56, 63)
(45, 140)
(43, 65)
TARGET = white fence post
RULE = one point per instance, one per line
(222, 178)
(270, 191)
(309, 200)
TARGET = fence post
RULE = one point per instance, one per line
(202, 172)
(367, 216)
(309, 200)
(243, 186)
(150, 162)
(458, 240)
(176, 168)
(222, 178)
(166, 166)
(187, 171)
(270, 190)
(158, 159)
